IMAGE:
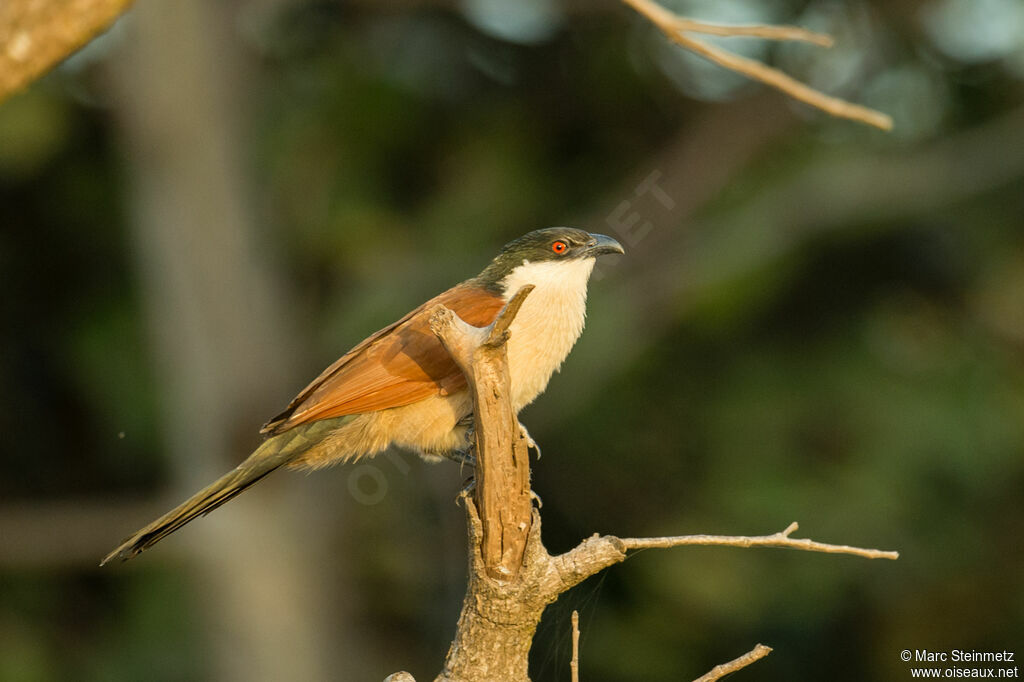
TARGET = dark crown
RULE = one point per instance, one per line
(536, 247)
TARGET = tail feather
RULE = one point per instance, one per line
(271, 455)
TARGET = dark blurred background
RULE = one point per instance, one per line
(814, 321)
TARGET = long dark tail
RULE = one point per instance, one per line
(272, 454)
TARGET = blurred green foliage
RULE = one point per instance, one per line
(867, 381)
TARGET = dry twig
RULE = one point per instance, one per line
(780, 539)
(678, 30)
(720, 671)
(574, 664)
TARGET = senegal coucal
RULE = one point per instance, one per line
(400, 387)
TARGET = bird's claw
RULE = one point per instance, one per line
(530, 442)
(463, 457)
(467, 489)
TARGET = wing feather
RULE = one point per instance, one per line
(398, 365)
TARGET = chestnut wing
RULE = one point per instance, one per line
(396, 366)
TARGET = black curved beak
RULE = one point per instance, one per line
(599, 245)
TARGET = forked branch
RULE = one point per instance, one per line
(679, 29)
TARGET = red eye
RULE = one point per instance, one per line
(559, 247)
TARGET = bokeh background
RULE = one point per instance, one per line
(814, 321)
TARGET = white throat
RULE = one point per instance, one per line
(547, 325)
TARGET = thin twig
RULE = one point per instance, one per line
(781, 539)
(574, 664)
(720, 671)
(677, 28)
(765, 31)
(499, 331)
(777, 79)
(668, 20)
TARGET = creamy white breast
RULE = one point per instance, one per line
(547, 325)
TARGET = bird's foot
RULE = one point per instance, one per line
(464, 457)
(530, 442)
(536, 498)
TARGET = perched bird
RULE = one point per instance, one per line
(400, 386)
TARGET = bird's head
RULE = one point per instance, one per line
(550, 253)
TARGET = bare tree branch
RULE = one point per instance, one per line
(601, 551)
(37, 34)
(720, 671)
(503, 468)
(780, 539)
(677, 29)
